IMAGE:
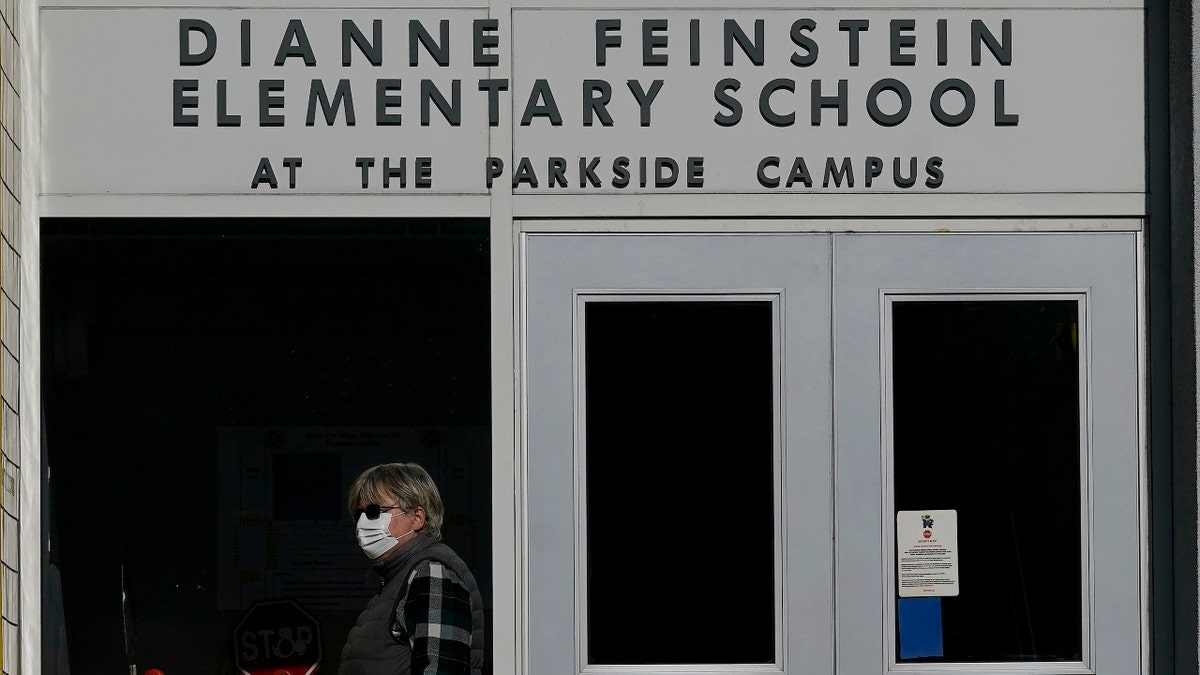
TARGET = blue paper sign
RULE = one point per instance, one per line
(920, 627)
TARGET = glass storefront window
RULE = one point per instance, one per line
(211, 388)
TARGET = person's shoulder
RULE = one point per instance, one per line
(434, 569)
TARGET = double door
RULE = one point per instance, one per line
(831, 453)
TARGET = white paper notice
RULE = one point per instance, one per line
(927, 553)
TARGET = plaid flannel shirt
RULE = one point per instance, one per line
(436, 614)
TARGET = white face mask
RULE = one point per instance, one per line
(373, 535)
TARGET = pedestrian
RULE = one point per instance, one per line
(427, 619)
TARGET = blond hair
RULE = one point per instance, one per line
(408, 483)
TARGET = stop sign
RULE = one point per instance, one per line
(277, 637)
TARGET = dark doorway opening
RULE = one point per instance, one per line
(210, 388)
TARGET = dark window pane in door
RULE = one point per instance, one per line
(986, 410)
(680, 481)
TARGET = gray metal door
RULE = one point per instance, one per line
(994, 377)
(858, 341)
(777, 539)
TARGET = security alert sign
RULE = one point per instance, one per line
(927, 553)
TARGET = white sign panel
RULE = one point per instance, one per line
(927, 553)
(405, 101)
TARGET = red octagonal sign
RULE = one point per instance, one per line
(277, 637)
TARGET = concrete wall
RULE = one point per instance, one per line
(10, 349)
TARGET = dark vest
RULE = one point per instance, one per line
(370, 648)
